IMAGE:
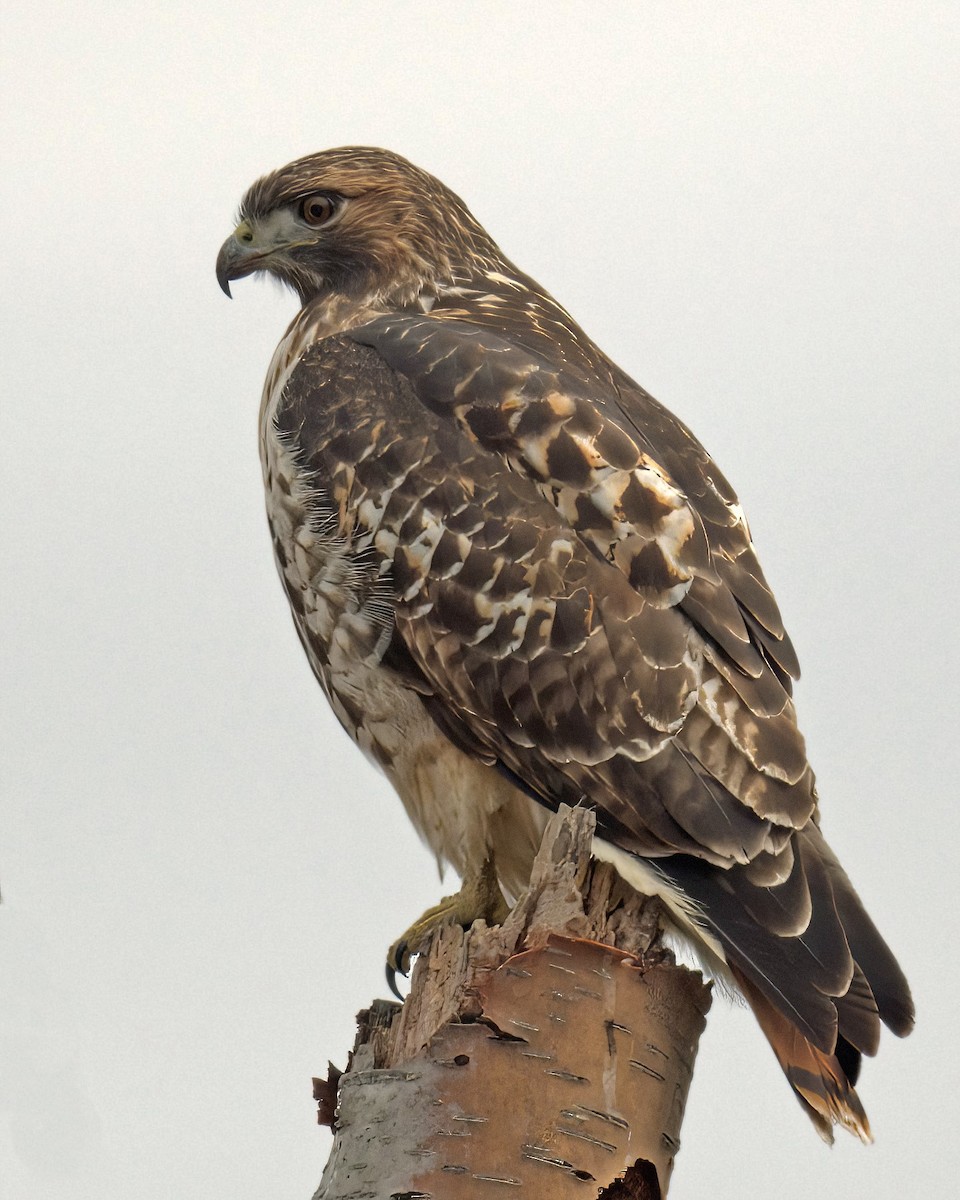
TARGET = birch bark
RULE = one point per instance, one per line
(547, 1058)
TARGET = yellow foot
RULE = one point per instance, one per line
(479, 898)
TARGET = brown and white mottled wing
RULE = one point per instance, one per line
(583, 591)
(531, 641)
(538, 610)
(613, 490)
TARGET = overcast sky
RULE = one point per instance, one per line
(751, 206)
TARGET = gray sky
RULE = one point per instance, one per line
(753, 208)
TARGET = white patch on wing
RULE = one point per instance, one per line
(497, 277)
(689, 939)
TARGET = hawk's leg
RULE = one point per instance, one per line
(479, 898)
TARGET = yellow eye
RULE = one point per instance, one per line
(318, 209)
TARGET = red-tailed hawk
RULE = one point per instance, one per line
(521, 581)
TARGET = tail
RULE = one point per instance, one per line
(821, 1082)
(811, 964)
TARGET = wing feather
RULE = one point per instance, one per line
(547, 603)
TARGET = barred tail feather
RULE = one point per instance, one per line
(820, 1082)
(810, 963)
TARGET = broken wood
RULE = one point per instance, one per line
(549, 1057)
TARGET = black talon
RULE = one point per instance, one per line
(392, 967)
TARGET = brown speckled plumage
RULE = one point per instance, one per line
(519, 578)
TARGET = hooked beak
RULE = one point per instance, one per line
(237, 258)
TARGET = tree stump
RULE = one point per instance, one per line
(546, 1058)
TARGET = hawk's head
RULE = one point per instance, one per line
(354, 221)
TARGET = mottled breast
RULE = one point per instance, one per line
(337, 584)
(337, 447)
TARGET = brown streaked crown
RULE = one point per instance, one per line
(400, 229)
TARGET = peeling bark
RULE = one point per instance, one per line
(549, 1057)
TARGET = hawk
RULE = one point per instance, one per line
(522, 582)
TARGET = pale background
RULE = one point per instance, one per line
(754, 208)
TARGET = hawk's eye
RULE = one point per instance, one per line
(318, 209)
